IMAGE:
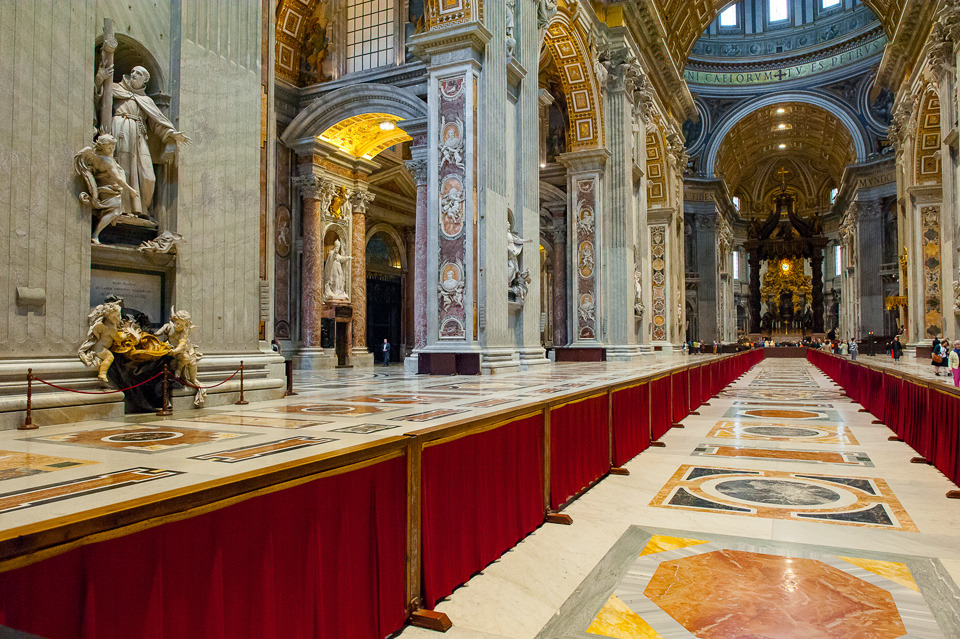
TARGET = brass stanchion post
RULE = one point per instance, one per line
(242, 401)
(165, 410)
(28, 420)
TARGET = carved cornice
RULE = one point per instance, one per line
(906, 44)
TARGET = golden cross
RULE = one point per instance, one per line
(782, 174)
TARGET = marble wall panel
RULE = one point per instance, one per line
(218, 204)
(658, 254)
(588, 293)
(932, 288)
(452, 276)
(46, 111)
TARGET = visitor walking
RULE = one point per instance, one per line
(386, 352)
(954, 362)
(896, 348)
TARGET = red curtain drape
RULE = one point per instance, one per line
(679, 382)
(631, 423)
(323, 559)
(579, 447)
(946, 449)
(891, 402)
(660, 421)
(696, 380)
(482, 494)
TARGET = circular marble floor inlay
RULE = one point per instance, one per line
(152, 436)
(781, 431)
(777, 492)
(782, 414)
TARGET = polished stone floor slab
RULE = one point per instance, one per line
(676, 583)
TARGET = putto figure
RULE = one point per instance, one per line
(185, 355)
(136, 120)
(106, 323)
(105, 180)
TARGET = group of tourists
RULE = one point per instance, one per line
(943, 357)
(841, 347)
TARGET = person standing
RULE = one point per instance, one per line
(854, 349)
(954, 362)
(843, 347)
(896, 348)
(940, 355)
(386, 352)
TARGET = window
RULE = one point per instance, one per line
(370, 34)
(736, 202)
(833, 195)
(736, 265)
(837, 260)
(729, 17)
(827, 4)
(778, 10)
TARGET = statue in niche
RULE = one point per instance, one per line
(135, 120)
(106, 323)
(185, 355)
(510, 28)
(334, 281)
(637, 294)
(517, 281)
(105, 180)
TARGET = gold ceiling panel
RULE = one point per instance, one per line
(363, 136)
(813, 137)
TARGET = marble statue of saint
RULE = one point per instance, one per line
(185, 355)
(334, 281)
(136, 120)
(517, 280)
(106, 323)
(105, 180)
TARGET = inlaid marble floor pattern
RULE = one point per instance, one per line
(779, 511)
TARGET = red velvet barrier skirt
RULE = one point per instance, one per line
(660, 421)
(323, 559)
(680, 399)
(482, 494)
(891, 402)
(696, 382)
(579, 447)
(912, 418)
(945, 408)
(631, 423)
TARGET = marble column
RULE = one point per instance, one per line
(754, 263)
(358, 272)
(816, 265)
(419, 169)
(560, 334)
(311, 284)
(409, 289)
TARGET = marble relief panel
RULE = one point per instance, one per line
(932, 289)
(658, 253)
(587, 301)
(452, 276)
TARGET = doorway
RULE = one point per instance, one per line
(384, 305)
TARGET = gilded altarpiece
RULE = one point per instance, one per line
(658, 263)
(586, 255)
(932, 288)
(453, 210)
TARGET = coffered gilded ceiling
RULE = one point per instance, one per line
(810, 136)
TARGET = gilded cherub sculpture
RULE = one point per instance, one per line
(185, 354)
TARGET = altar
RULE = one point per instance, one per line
(786, 270)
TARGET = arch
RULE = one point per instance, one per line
(394, 235)
(927, 166)
(566, 44)
(833, 106)
(351, 101)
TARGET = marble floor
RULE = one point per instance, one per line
(779, 511)
(69, 469)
